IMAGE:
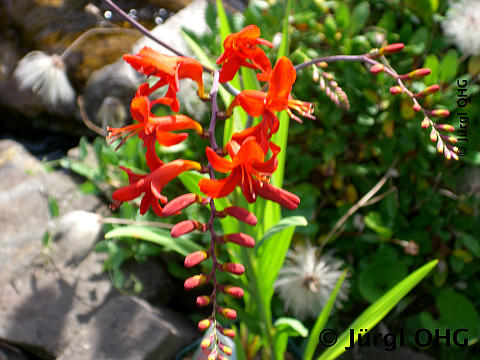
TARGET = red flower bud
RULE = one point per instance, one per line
(204, 324)
(225, 349)
(415, 74)
(234, 291)
(377, 68)
(205, 344)
(283, 197)
(416, 107)
(391, 49)
(195, 258)
(227, 332)
(203, 300)
(433, 135)
(395, 90)
(179, 203)
(440, 113)
(241, 214)
(440, 146)
(234, 268)
(426, 123)
(445, 127)
(195, 281)
(228, 313)
(240, 239)
(427, 91)
(184, 227)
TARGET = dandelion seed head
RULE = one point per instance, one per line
(46, 76)
(307, 280)
(462, 25)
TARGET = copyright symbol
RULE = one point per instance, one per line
(328, 337)
(462, 151)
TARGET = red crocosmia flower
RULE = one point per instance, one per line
(247, 166)
(278, 97)
(240, 47)
(170, 69)
(151, 185)
(151, 128)
(262, 132)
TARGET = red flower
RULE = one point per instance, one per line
(278, 97)
(151, 185)
(247, 168)
(170, 69)
(240, 47)
(151, 128)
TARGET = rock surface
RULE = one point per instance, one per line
(56, 301)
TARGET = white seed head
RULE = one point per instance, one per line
(462, 25)
(45, 75)
(306, 281)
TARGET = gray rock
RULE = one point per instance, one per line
(57, 301)
(24, 217)
(128, 328)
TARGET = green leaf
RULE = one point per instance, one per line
(360, 15)
(162, 237)
(379, 277)
(342, 15)
(223, 20)
(322, 320)
(53, 207)
(471, 243)
(284, 328)
(46, 239)
(448, 67)
(373, 220)
(281, 225)
(377, 311)
(433, 64)
(283, 49)
(457, 311)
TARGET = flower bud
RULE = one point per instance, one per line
(204, 324)
(195, 281)
(195, 258)
(234, 291)
(227, 350)
(187, 226)
(415, 74)
(205, 344)
(440, 113)
(395, 90)
(315, 74)
(445, 127)
(427, 91)
(323, 64)
(433, 135)
(203, 300)
(426, 123)
(416, 107)
(234, 268)
(283, 197)
(179, 203)
(227, 332)
(448, 154)
(228, 313)
(241, 214)
(377, 68)
(440, 146)
(391, 49)
(240, 239)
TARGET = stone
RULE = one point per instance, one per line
(25, 190)
(56, 300)
(128, 328)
